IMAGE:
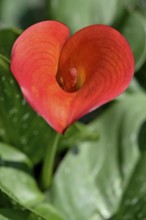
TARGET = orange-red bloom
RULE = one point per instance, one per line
(63, 77)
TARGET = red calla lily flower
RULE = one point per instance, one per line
(63, 77)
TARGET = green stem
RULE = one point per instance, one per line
(48, 165)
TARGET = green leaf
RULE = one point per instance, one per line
(9, 207)
(20, 126)
(141, 7)
(7, 38)
(49, 212)
(134, 198)
(79, 13)
(12, 12)
(134, 87)
(10, 214)
(138, 5)
(134, 29)
(92, 180)
(130, 4)
(16, 211)
(20, 185)
(11, 157)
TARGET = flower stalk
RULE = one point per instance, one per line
(49, 160)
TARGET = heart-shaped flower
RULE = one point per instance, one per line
(63, 77)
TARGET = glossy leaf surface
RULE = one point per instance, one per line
(22, 186)
(7, 38)
(99, 175)
(11, 208)
(136, 36)
(76, 16)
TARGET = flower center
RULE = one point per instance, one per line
(72, 80)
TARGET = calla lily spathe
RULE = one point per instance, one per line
(63, 77)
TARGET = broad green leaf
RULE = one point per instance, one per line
(10, 156)
(16, 211)
(7, 38)
(12, 12)
(134, 29)
(130, 4)
(138, 5)
(10, 207)
(20, 185)
(10, 214)
(134, 198)
(20, 126)
(79, 13)
(134, 87)
(49, 212)
(92, 179)
(141, 7)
